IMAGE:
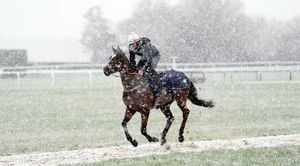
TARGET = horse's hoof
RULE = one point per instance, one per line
(163, 141)
(134, 143)
(181, 138)
(154, 139)
(211, 104)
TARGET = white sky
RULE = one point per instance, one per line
(50, 29)
(279, 9)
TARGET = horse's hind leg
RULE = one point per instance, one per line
(128, 115)
(185, 114)
(181, 99)
(145, 116)
(170, 118)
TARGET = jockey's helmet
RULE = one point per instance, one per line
(133, 38)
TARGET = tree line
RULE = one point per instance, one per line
(197, 31)
(13, 57)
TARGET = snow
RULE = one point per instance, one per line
(96, 155)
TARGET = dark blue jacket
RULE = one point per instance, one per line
(147, 52)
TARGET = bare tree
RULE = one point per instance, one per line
(97, 37)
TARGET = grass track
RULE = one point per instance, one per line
(37, 119)
(289, 156)
(154, 149)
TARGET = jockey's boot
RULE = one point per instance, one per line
(157, 95)
(154, 76)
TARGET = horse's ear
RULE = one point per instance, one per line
(114, 50)
(119, 50)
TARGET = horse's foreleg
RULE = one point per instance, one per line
(145, 116)
(128, 115)
(170, 118)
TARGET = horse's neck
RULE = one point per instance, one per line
(130, 80)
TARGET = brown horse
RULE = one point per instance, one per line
(138, 97)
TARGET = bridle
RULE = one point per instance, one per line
(132, 73)
(126, 72)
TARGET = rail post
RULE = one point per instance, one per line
(260, 76)
(256, 76)
(90, 79)
(53, 78)
(18, 79)
(174, 62)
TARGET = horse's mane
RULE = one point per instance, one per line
(131, 68)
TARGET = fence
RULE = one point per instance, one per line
(197, 71)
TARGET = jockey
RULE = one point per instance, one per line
(141, 46)
(149, 54)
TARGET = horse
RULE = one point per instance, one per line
(139, 97)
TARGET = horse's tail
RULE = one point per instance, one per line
(195, 100)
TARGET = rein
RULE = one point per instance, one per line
(129, 73)
(132, 89)
(133, 73)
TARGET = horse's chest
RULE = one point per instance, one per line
(138, 99)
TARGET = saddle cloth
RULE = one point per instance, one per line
(171, 81)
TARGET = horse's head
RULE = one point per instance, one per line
(117, 62)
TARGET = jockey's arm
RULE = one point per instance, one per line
(144, 65)
(132, 59)
(146, 59)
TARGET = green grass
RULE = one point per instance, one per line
(37, 118)
(261, 156)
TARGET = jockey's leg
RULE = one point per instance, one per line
(157, 78)
(157, 96)
(153, 76)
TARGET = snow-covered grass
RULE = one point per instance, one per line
(38, 118)
(150, 149)
(241, 77)
(260, 156)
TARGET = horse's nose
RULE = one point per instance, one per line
(105, 70)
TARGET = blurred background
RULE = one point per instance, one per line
(242, 54)
(191, 30)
